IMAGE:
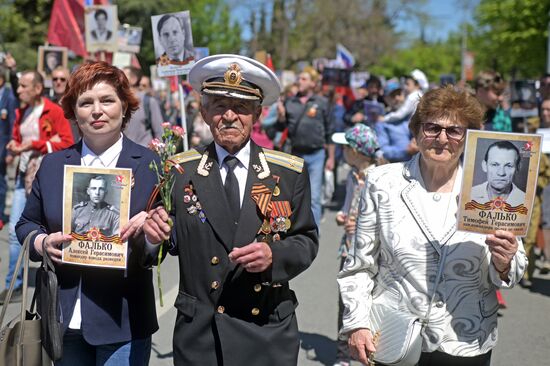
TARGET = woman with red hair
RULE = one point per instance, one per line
(107, 315)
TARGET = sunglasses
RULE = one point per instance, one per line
(433, 130)
(59, 79)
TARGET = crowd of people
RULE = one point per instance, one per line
(249, 207)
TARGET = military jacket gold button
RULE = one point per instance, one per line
(255, 311)
(221, 309)
(215, 285)
(215, 260)
(257, 287)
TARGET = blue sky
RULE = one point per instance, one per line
(445, 16)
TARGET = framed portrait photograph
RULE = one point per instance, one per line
(101, 26)
(96, 204)
(173, 42)
(50, 58)
(129, 38)
(499, 181)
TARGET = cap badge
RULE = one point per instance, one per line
(233, 75)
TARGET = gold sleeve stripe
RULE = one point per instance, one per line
(285, 160)
(186, 156)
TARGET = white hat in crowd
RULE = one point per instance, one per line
(420, 78)
(235, 76)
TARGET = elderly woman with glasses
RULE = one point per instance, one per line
(407, 225)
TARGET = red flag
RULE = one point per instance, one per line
(67, 25)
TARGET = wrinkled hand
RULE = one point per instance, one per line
(52, 245)
(349, 225)
(361, 345)
(157, 226)
(134, 227)
(254, 257)
(503, 246)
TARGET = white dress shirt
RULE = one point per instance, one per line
(108, 159)
(241, 169)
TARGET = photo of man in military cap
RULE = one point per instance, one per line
(243, 227)
(95, 212)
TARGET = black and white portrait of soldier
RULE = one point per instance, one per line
(500, 165)
(52, 59)
(172, 37)
(95, 211)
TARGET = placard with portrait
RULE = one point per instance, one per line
(96, 206)
(129, 38)
(49, 58)
(101, 26)
(499, 181)
(173, 42)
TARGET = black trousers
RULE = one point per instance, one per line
(439, 358)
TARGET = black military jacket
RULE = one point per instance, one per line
(226, 315)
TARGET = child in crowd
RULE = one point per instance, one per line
(362, 153)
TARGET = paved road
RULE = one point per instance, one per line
(524, 327)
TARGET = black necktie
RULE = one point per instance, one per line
(231, 187)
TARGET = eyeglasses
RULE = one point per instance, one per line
(59, 79)
(433, 130)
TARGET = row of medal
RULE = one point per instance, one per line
(196, 207)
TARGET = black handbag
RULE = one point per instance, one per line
(20, 343)
(47, 300)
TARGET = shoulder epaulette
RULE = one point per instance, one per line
(80, 204)
(186, 156)
(112, 208)
(285, 160)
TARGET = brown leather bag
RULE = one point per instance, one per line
(20, 342)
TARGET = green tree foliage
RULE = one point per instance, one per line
(435, 59)
(23, 27)
(511, 36)
(301, 30)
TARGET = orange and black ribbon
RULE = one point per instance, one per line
(501, 205)
(281, 209)
(115, 239)
(262, 196)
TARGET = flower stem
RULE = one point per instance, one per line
(159, 281)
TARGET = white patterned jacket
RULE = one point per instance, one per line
(395, 260)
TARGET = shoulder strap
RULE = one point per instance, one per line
(186, 156)
(23, 257)
(442, 257)
(285, 160)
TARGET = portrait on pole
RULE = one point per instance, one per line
(101, 25)
(173, 43)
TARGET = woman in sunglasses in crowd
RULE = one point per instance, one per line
(407, 225)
